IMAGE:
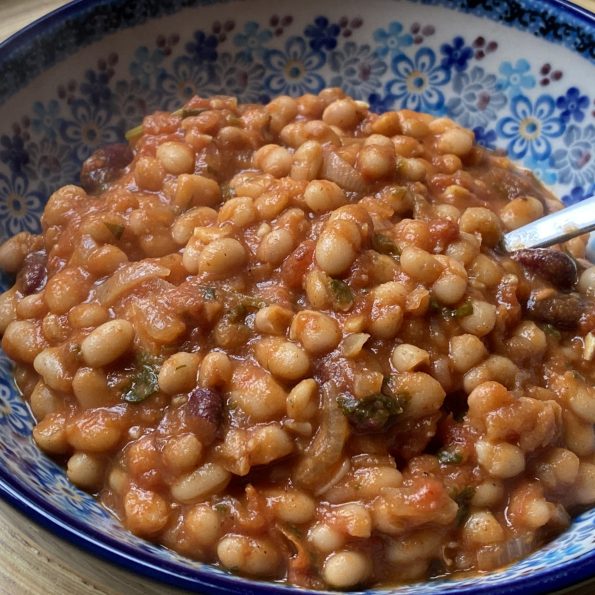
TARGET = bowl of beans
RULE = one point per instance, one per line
(259, 332)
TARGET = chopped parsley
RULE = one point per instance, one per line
(115, 229)
(551, 330)
(144, 380)
(461, 311)
(208, 293)
(185, 112)
(341, 294)
(373, 413)
(449, 457)
(385, 245)
(463, 499)
(134, 133)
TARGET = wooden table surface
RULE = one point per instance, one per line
(32, 560)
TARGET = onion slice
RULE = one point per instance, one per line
(128, 277)
(326, 447)
(501, 554)
(337, 170)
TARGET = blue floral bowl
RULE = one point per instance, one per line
(519, 73)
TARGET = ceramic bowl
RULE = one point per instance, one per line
(520, 73)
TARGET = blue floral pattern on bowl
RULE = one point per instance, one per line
(431, 55)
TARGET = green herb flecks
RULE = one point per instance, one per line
(463, 499)
(222, 508)
(390, 388)
(185, 112)
(227, 191)
(465, 310)
(134, 133)
(449, 457)
(341, 295)
(374, 413)
(236, 314)
(551, 330)
(462, 311)
(435, 305)
(115, 229)
(250, 302)
(385, 245)
(240, 305)
(208, 293)
(144, 380)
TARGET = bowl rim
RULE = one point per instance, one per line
(71, 529)
(110, 549)
(24, 37)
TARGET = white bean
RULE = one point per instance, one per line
(107, 343)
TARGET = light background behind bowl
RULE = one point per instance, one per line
(31, 559)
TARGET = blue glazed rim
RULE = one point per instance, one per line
(152, 565)
(565, 15)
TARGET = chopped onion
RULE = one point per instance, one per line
(365, 460)
(342, 471)
(337, 170)
(353, 344)
(589, 347)
(128, 277)
(500, 554)
(326, 447)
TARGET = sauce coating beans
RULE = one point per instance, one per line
(283, 339)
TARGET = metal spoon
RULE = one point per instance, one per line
(555, 228)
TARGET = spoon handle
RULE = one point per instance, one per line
(555, 228)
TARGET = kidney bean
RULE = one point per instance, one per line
(554, 266)
(33, 275)
(204, 411)
(104, 166)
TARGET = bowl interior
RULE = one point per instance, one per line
(518, 73)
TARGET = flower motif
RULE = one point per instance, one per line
(572, 105)
(51, 162)
(541, 169)
(13, 412)
(577, 194)
(359, 69)
(6, 282)
(252, 40)
(485, 137)
(456, 55)
(392, 40)
(186, 79)
(146, 65)
(20, 208)
(45, 119)
(576, 162)
(293, 71)
(477, 98)
(531, 127)
(96, 88)
(517, 77)
(6, 366)
(89, 129)
(203, 48)
(132, 101)
(322, 34)
(380, 104)
(12, 152)
(241, 77)
(417, 81)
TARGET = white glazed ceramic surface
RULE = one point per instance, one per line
(519, 73)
